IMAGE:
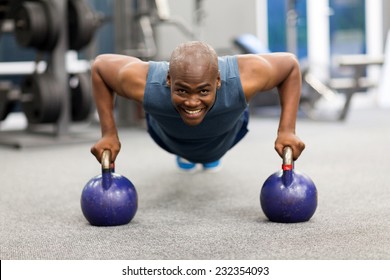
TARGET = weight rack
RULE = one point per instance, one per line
(61, 131)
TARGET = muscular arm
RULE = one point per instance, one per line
(114, 74)
(281, 70)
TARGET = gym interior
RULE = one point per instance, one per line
(48, 123)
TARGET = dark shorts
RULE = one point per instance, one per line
(241, 133)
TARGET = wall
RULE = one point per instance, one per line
(224, 20)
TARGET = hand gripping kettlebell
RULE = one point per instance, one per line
(288, 196)
(109, 199)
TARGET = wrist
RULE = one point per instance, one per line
(110, 132)
(286, 129)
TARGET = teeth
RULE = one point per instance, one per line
(192, 111)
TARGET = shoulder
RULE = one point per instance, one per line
(252, 62)
(265, 62)
(135, 76)
(260, 72)
(132, 79)
(135, 68)
(141, 70)
(254, 71)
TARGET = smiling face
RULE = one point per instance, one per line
(194, 79)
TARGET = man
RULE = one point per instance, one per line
(196, 105)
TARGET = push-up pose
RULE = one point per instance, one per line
(196, 104)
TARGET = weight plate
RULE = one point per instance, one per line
(54, 25)
(31, 26)
(81, 96)
(37, 25)
(41, 101)
(81, 24)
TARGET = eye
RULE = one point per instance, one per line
(180, 91)
(204, 92)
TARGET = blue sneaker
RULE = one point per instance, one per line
(212, 167)
(185, 165)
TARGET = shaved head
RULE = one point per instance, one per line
(192, 56)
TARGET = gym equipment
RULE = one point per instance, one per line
(41, 100)
(109, 199)
(82, 24)
(8, 99)
(81, 97)
(37, 25)
(288, 196)
(46, 97)
(249, 43)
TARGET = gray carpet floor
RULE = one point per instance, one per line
(200, 215)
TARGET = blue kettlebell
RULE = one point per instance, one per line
(288, 196)
(109, 199)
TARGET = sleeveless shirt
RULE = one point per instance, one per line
(216, 134)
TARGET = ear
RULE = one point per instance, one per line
(168, 79)
(219, 80)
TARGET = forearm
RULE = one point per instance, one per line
(104, 97)
(289, 94)
(104, 100)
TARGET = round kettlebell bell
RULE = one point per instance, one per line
(109, 199)
(288, 196)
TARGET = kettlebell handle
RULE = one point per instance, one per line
(287, 158)
(106, 159)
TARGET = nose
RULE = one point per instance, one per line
(192, 101)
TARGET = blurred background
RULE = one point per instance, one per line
(46, 49)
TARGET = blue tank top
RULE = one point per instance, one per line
(212, 138)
